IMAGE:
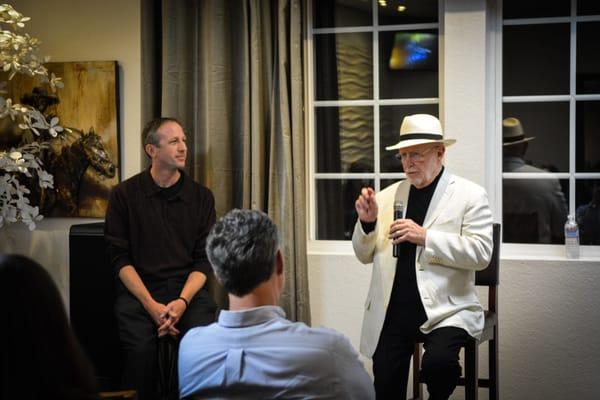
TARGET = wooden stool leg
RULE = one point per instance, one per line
(471, 370)
(493, 360)
(119, 395)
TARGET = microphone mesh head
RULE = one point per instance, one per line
(398, 205)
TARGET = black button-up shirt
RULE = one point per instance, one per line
(161, 232)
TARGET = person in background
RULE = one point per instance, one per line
(535, 210)
(156, 227)
(588, 218)
(253, 351)
(427, 294)
(40, 356)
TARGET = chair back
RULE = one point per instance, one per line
(486, 277)
(489, 275)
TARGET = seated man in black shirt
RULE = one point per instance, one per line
(427, 293)
(156, 227)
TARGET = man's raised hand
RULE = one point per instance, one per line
(366, 205)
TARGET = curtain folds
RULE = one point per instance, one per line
(232, 72)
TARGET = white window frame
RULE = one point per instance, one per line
(493, 156)
(542, 251)
(344, 246)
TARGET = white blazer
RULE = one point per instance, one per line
(458, 243)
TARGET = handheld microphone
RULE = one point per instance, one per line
(398, 214)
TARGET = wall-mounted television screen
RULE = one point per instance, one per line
(414, 51)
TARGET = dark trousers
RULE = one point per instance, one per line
(440, 366)
(138, 332)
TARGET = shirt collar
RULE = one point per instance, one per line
(515, 162)
(249, 317)
(150, 188)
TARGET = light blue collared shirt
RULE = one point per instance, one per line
(258, 354)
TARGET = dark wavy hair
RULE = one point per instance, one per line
(242, 247)
(40, 356)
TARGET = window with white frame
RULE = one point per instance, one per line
(551, 120)
(371, 62)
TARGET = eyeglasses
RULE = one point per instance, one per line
(414, 155)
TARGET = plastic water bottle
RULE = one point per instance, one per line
(571, 237)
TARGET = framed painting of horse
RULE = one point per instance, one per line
(85, 163)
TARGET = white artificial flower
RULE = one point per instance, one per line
(18, 55)
(15, 155)
(55, 129)
(46, 179)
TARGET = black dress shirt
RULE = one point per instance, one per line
(161, 232)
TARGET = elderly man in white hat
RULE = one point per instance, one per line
(427, 292)
(535, 210)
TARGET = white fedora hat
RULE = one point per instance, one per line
(420, 129)
(512, 132)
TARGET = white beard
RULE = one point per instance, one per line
(415, 181)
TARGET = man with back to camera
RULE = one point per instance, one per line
(156, 227)
(253, 351)
(427, 293)
(535, 210)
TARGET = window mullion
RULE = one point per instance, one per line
(499, 111)
(376, 150)
(311, 160)
(572, 107)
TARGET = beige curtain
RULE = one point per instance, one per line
(232, 72)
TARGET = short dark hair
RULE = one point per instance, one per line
(150, 132)
(242, 248)
(40, 353)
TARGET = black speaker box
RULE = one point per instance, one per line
(92, 294)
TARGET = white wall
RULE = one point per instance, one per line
(84, 30)
(549, 310)
(549, 321)
(463, 106)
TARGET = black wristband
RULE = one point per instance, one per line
(184, 300)
(368, 227)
